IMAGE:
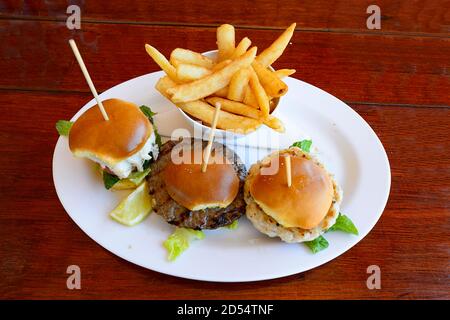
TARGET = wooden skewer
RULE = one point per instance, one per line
(287, 162)
(77, 54)
(211, 137)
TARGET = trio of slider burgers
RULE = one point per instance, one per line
(288, 194)
(188, 197)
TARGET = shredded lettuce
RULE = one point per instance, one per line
(149, 114)
(305, 145)
(138, 176)
(233, 225)
(109, 180)
(63, 127)
(133, 180)
(179, 241)
(318, 244)
(344, 224)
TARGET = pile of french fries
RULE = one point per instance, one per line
(242, 82)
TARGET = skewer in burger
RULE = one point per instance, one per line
(297, 213)
(122, 145)
(189, 198)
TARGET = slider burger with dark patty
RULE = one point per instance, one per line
(187, 197)
(301, 212)
(122, 144)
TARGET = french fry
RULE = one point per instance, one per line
(274, 123)
(241, 48)
(282, 73)
(227, 121)
(206, 86)
(238, 83)
(235, 107)
(273, 103)
(222, 92)
(275, 50)
(273, 86)
(190, 72)
(176, 62)
(221, 65)
(248, 111)
(249, 98)
(205, 112)
(238, 80)
(225, 41)
(260, 94)
(162, 62)
(180, 55)
(164, 84)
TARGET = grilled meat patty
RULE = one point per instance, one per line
(180, 216)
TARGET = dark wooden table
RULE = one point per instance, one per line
(396, 78)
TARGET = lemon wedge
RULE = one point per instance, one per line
(134, 208)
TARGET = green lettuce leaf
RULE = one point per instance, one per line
(344, 224)
(318, 244)
(149, 114)
(147, 164)
(305, 145)
(233, 225)
(63, 127)
(138, 176)
(109, 179)
(179, 241)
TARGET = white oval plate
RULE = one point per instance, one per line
(344, 141)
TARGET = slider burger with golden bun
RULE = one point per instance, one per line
(187, 197)
(121, 145)
(301, 212)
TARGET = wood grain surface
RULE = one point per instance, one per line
(390, 69)
(396, 78)
(419, 16)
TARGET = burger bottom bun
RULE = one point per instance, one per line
(267, 225)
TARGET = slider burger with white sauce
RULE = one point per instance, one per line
(121, 145)
(186, 196)
(297, 213)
